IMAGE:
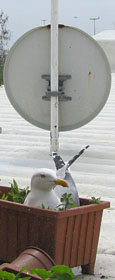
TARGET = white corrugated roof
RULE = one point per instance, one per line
(24, 148)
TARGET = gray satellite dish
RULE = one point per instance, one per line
(84, 75)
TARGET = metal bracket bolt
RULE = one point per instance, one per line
(60, 93)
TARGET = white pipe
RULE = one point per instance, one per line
(54, 77)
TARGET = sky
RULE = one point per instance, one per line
(27, 14)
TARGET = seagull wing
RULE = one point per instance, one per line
(63, 172)
(59, 163)
(76, 156)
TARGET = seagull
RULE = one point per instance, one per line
(64, 173)
(42, 191)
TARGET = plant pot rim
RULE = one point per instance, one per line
(13, 269)
(54, 213)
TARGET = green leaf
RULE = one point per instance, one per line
(43, 206)
(18, 195)
(12, 189)
(17, 276)
(6, 275)
(62, 269)
(44, 274)
(24, 268)
(95, 200)
(64, 196)
(74, 204)
(4, 197)
(67, 201)
(15, 186)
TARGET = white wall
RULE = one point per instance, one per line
(106, 39)
(109, 48)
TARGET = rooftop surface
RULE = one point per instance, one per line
(105, 35)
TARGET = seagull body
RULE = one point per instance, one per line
(42, 191)
(38, 198)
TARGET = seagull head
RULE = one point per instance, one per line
(46, 179)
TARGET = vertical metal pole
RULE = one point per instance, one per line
(94, 19)
(94, 26)
(54, 77)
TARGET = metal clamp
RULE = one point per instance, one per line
(60, 93)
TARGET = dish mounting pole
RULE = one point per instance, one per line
(54, 134)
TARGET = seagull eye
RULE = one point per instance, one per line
(42, 175)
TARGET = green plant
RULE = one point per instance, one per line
(17, 194)
(43, 206)
(5, 275)
(4, 197)
(67, 202)
(95, 200)
(58, 272)
(43, 273)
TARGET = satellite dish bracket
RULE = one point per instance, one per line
(60, 93)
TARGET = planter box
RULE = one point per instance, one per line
(70, 237)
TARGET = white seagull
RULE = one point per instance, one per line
(42, 191)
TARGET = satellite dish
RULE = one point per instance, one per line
(84, 75)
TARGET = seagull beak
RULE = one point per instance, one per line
(61, 182)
